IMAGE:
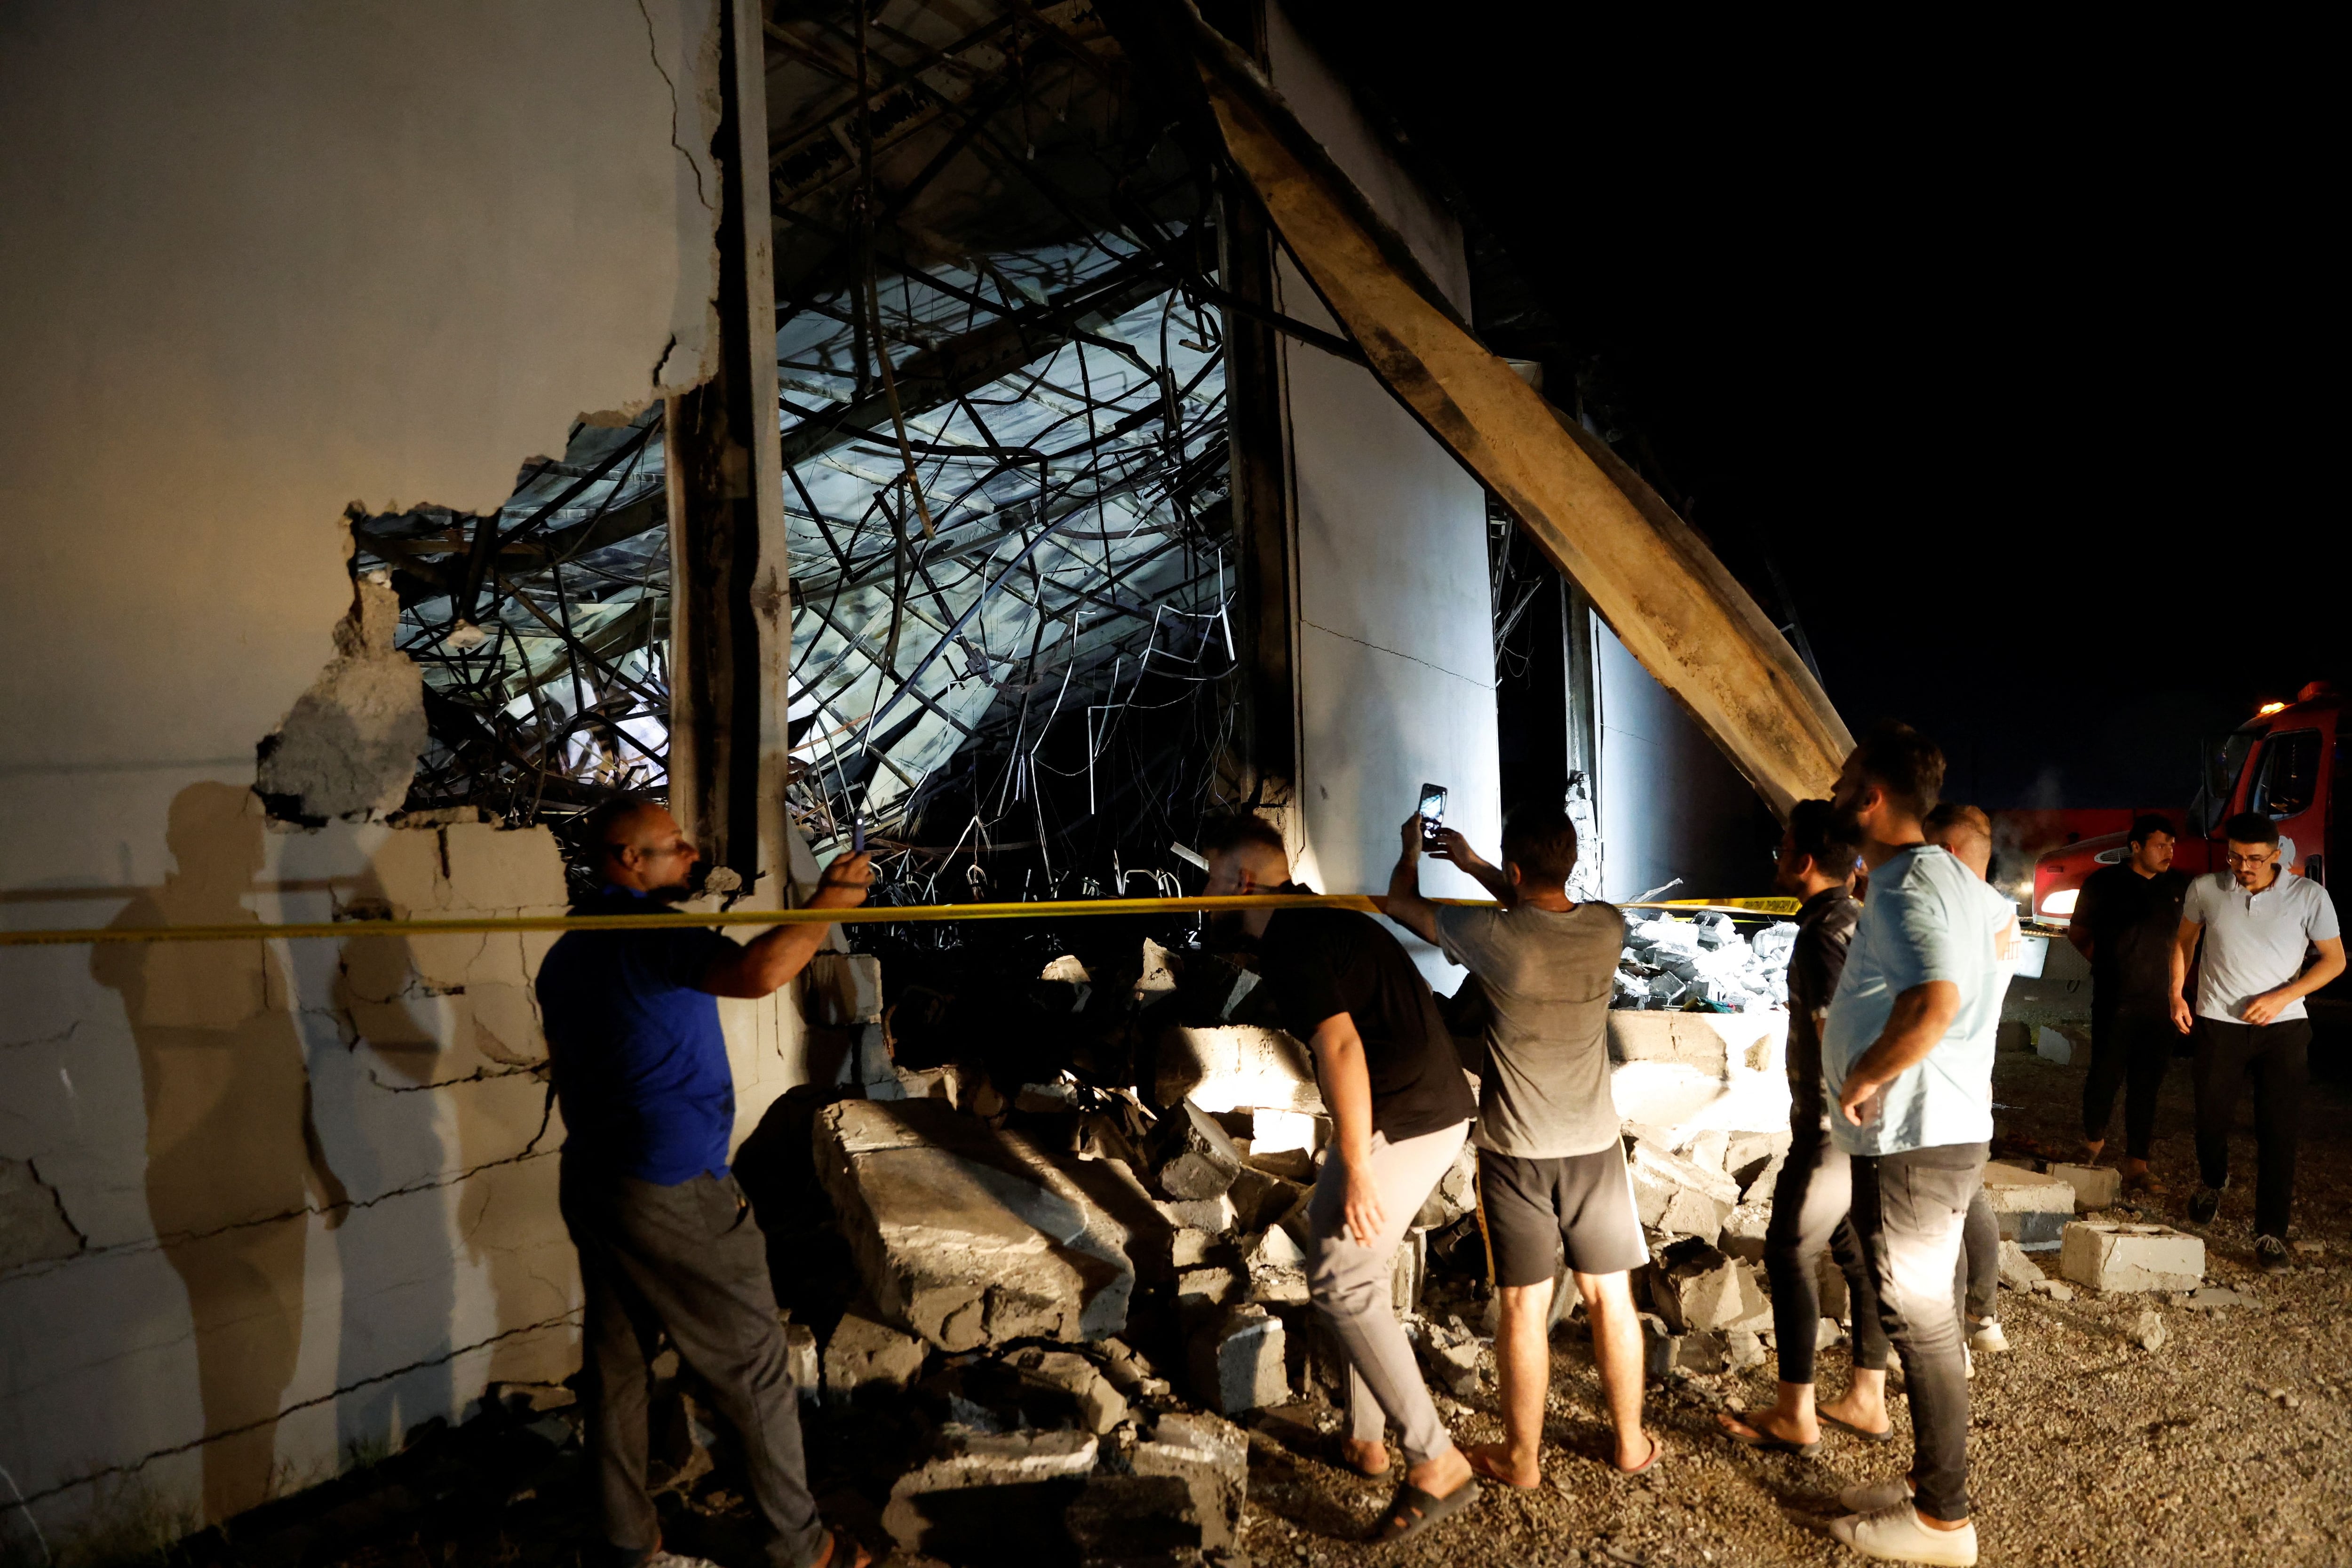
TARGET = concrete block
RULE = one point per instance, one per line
(1204, 1292)
(1450, 1354)
(1410, 1268)
(865, 1352)
(1653, 1164)
(1277, 1268)
(2018, 1271)
(2034, 1210)
(1743, 1231)
(840, 990)
(1093, 1406)
(1261, 1198)
(2131, 1256)
(1696, 1288)
(969, 1236)
(991, 1497)
(1747, 1155)
(1665, 1352)
(1759, 1186)
(1707, 1151)
(1190, 1248)
(1235, 1066)
(1714, 1043)
(1158, 979)
(1455, 1195)
(1238, 1361)
(1210, 1456)
(2053, 1046)
(1214, 1216)
(1191, 1157)
(1827, 1332)
(2095, 1186)
(1120, 1518)
(1746, 1349)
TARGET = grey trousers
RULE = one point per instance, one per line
(1352, 1288)
(1909, 1210)
(689, 1259)
(1810, 1200)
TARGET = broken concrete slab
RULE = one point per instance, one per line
(1204, 1291)
(1094, 1405)
(2018, 1271)
(2217, 1297)
(991, 1496)
(1238, 1361)
(801, 1359)
(2034, 1210)
(1261, 1198)
(2095, 1186)
(1234, 1067)
(1122, 1518)
(1450, 1354)
(968, 1234)
(1745, 1348)
(1677, 1196)
(1217, 1215)
(1666, 1353)
(1747, 1156)
(2131, 1256)
(1455, 1193)
(1210, 1456)
(2148, 1331)
(1743, 1231)
(1707, 1151)
(1659, 1166)
(1696, 1288)
(1277, 1268)
(1191, 1157)
(1759, 1186)
(865, 1352)
(2053, 1046)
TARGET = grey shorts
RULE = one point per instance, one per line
(1581, 1205)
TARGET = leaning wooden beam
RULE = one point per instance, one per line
(1670, 601)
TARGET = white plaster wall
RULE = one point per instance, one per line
(1671, 806)
(1396, 669)
(257, 264)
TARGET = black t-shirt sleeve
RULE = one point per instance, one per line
(2086, 906)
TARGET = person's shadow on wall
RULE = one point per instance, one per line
(234, 1158)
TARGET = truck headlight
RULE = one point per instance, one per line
(2061, 902)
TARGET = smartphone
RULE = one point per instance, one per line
(858, 836)
(1433, 812)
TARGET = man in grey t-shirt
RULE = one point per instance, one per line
(1551, 1168)
(2260, 922)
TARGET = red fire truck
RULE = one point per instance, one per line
(2291, 762)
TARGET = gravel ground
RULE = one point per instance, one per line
(2228, 1444)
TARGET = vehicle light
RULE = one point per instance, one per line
(2267, 709)
(2061, 902)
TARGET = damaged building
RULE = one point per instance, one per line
(935, 426)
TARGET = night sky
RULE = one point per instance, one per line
(2027, 387)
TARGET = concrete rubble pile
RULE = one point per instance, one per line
(1704, 961)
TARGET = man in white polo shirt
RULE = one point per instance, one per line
(2259, 923)
(1907, 1053)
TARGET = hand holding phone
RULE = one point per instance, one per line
(1431, 812)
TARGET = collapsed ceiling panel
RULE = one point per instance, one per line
(1002, 398)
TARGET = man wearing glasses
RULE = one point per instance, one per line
(2259, 924)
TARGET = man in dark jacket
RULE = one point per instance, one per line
(2126, 919)
(666, 1239)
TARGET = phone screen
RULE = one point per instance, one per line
(1433, 811)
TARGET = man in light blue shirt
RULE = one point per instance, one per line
(1908, 1053)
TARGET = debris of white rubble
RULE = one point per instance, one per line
(1670, 963)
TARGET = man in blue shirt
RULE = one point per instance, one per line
(1907, 1053)
(666, 1240)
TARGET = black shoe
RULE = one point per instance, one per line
(2204, 1205)
(2270, 1254)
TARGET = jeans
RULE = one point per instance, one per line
(1810, 1201)
(689, 1259)
(2278, 1056)
(1909, 1210)
(2128, 1052)
(1979, 1280)
(1354, 1291)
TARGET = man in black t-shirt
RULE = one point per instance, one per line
(1400, 1110)
(2126, 921)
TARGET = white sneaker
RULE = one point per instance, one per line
(1869, 1496)
(1895, 1532)
(1986, 1338)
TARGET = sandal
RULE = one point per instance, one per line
(1658, 1449)
(1415, 1510)
(1853, 1431)
(860, 1557)
(1487, 1465)
(1760, 1440)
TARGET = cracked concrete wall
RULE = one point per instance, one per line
(256, 265)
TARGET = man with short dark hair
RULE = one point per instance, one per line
(666, 1239)
(1551, 1164)
(1815, 1187)
(1400, 1108)
(2126, 921)
(1908, 1060)
(2259, 923)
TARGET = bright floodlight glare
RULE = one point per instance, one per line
(2061, 902)
(2267, 709)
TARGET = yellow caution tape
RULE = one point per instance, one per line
(1750, 906)
(868, 914)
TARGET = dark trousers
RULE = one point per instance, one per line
(1810, 1200)
(2128, 1052)
(1909, 1211)
(688, 1259)
(1980, 1269)
(2278, 1056)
